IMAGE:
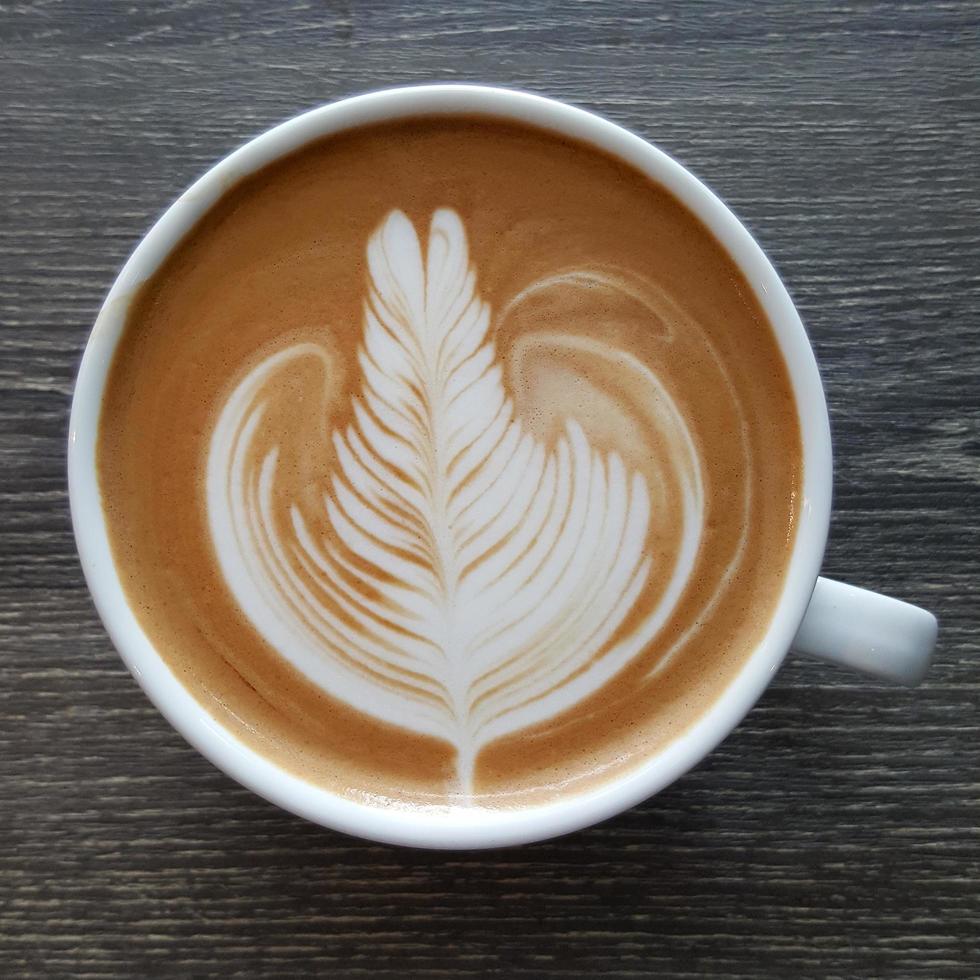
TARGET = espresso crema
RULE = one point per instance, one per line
(451, 461)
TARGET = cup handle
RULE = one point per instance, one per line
(868, 632)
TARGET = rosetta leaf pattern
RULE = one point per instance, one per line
(475, 580)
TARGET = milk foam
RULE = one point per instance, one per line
(463, 578)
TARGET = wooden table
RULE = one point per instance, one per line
(835, 833)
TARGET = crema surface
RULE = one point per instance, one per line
(451, 461)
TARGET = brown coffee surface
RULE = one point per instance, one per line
(594, 279)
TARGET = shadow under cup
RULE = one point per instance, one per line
(441, 825)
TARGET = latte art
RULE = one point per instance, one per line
(450, 462)
(453, 575)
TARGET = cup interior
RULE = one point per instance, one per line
(447, 827)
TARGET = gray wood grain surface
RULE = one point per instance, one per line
(835, 834)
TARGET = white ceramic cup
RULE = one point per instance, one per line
(879, 636)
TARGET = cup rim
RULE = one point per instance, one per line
(447, 827)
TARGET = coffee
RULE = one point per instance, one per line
(451, 460)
